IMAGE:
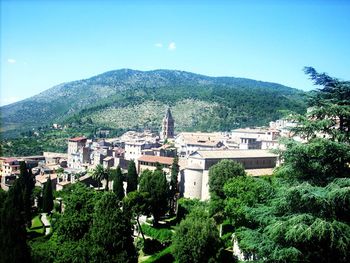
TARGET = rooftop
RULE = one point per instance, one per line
(155, 159)
(201, 138)
(43, 178)
(228, 154)
(55, 155)
(78, 139)
(248, 130)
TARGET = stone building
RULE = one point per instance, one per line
(194, 176)
(78, 153)
(167, 126)
(150, 162)
(189, 142)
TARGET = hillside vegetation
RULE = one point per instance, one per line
(127, 99)
(130, 99)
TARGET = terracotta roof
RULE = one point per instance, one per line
(10, 159)
(78, 139)
(154, 159)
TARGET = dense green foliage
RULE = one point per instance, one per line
(319, 161)
(173, 191)
(185, 206)
(78, 213)
(93, 228)
(156, 185)
(111, 232)
(132, 177)
(118, 180)
(330, 108)
(161, 234)
(26, 179)
(196, 239)
(47, 196)
(99, 174)
(220, 173)
(301, 214)
(163, 256)
(13, 240)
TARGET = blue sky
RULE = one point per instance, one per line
(44, 43)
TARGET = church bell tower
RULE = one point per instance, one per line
(167, 126)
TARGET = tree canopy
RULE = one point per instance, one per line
(132, 177)
(220, 173)
(196, 239)
(13, 240)
(118, 183)
(99, 174)
(111, 232)
(48, 196)
(301, 214)
(156, 185)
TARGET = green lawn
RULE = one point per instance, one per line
(37, 226)
(162, 256)
(36, 222)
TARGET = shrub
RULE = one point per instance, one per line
(151, 246)
(163, 256)
(162, 235)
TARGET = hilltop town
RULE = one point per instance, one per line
(197, 152)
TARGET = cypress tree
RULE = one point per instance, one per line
(174, 184)
(13, 244)
(118, 188)
(48, 196)
(132, 177)
(27, 183)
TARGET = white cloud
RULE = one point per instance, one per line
(172, 46)
(11, 61)
(158, 45)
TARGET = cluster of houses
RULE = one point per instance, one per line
(196, 151)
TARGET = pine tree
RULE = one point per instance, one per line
(329, 111)
(118, 188)
(132, 177)
(48, 196)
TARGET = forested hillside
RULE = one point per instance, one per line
(136, 99)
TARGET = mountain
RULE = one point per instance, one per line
(126, 98)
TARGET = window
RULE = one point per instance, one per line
(194, 183)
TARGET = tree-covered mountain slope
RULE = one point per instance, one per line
(130, 99)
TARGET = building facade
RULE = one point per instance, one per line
(194, 176)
